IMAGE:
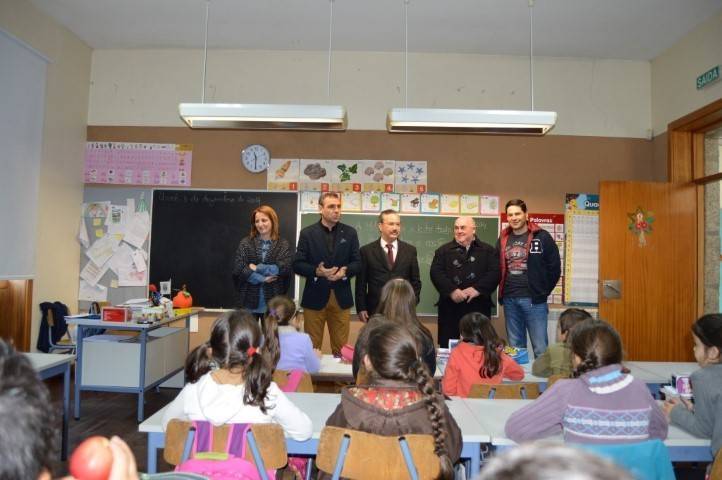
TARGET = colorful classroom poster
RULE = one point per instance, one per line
(314, 175)
(390, 201)
(351, 201)
(554, 224)
(489, 205)
(430, 203)
(309, 201)
(411, 177)
(469, 204)
(371, 201)
(346, 176)
(450, 204)
(138, 163)
(410, 203)
(377, 175)
(581, 260)
(283, 174)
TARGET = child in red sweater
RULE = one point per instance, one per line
(478, 358)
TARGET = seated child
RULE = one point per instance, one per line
(603, 404)
(400, 397)
(230, 380)
(296, 348)
(704, 419)
(478, 358)
(557, 359)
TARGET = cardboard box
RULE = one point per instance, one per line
(115, 314)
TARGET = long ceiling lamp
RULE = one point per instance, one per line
(497, 122)
(254, 116)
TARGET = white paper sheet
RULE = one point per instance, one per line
(92, 273)
(92, 293)
(137, 229)
(83, 234)
(122, 256)
(101, 251)
(129, 276)
(117, 219)
(139, 260)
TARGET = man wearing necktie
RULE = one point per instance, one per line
(466, 272)
(382, 260)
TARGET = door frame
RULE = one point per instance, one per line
(685, 164)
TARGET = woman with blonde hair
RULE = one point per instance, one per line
(262, 267)
(398, 305)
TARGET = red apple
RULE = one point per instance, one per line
(92, 459)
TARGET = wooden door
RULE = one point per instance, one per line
(658, 275)
(15, 312)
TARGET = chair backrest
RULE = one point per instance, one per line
(648, 460)
(716, 471)
(505, 391)
(358, 455)
(305, 385)
(268, 436)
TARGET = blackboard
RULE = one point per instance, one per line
(426, 233)
(195, 233)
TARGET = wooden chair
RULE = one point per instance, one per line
(505, 391)
(65, 344)
(266, 441)
(716, 472)
(359, 455)
(281, 379)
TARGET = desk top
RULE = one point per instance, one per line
(660, 372)
(43, 361)
(335, 368)
(493, 414)
(87, 322)
(319, 406)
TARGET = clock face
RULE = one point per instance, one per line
(255, 158)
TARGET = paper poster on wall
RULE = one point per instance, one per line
(469, 204)
(314, 175)
(489, 205)
(390, 201)
(410, 177)
(345, 176)
(581, 260)
(450, 203)
(351, 201)
(371, 201)
(410, 203)
(92, 293)
(138, 163)
(309, 201)
(101, 251)
(377, 175)
(283, 174)
(430, 203)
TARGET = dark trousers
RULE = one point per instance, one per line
(450, 313)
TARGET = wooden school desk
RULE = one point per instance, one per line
(657, 374)
(49, 365)
(333, 370)
(493, 414)
(319, 406)
(130, 364)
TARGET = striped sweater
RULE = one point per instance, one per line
(602, 406)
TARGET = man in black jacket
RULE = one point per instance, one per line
(384, 259)
(530, 269)
(328, 256)
(465, 271)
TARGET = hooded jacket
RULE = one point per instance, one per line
(543, 262)
(223, 403)
(604, 405)
(462, 370)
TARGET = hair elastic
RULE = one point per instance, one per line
(251, 351)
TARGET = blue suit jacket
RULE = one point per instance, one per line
(311, 250)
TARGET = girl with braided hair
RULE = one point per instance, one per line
(400, 397)
(602, 404)
(230, 380)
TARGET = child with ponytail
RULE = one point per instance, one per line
(400, 397)
(230, 380)
(602, 404)
(296, 348)
(478, 359)
(704, 419)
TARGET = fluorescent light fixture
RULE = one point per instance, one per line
(495, 122)
(263, 116)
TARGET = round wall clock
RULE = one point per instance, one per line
(256, 158)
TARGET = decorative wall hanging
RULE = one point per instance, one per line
(640, 224)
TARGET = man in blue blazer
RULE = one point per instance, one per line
(328, 256)
(382, 260)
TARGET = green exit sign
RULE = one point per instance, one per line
(708, 77)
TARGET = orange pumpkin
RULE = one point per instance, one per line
(183, 299)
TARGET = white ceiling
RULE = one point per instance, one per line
(623, 29)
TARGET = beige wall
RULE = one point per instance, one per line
(60, 182)
(674, 74)
(609, 98)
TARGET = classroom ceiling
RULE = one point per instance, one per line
(622, 29)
